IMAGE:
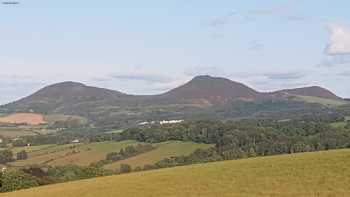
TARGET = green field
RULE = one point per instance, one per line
(115, 131)
(85, 154)
(163, 150)
(321, 174)
(80, 154)
(338, 125)
(19, 131)
(30, 149)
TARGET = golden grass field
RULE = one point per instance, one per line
(321, 174)
(24, 118)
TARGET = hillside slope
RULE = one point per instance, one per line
(314, 91)
(212, 89)
(307, 174)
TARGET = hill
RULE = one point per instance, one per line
(314, 91)
(306, 174)
(63, 97)
(212, 89)
(202, 97)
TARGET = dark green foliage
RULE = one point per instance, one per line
(22, 155)
(198, 156)
(74, 172)
(12, 180)
(247, 138)
(113, 156)
(125, 168)
(5, 156)
(129, 151)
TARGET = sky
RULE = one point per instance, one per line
(149, 47)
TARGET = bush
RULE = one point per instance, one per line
(125, 168)
(14, 180)
(5, 156)
(22, 155)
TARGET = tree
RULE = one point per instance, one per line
(22, 155)
(113, 156)
(125, 168)
(14, 180)
(130, 150)
(6, 156)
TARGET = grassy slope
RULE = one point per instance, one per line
(51, 119)
(323, 101)
(163, 150)
(308, 174)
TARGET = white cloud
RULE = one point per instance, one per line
(339, 40)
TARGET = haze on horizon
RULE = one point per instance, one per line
(152, 46)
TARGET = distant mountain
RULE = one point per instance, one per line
(62, 95)
(213, 89)
(72, 91)
(314, 91)
(212, 96)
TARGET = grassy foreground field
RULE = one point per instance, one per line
(307, 174)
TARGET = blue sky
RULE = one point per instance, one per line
(148, 47)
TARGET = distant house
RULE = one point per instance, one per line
(76, 141)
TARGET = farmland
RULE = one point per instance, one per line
(24, 118)
(163, 150)
(85, 154)
(305, 174)
(80, 154)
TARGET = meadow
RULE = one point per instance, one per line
(321, 174)
(80, 154)
(163, 150)
(86, 153)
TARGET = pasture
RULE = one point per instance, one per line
(80, 154)
(163, 150)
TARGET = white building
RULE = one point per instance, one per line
(170, 121)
